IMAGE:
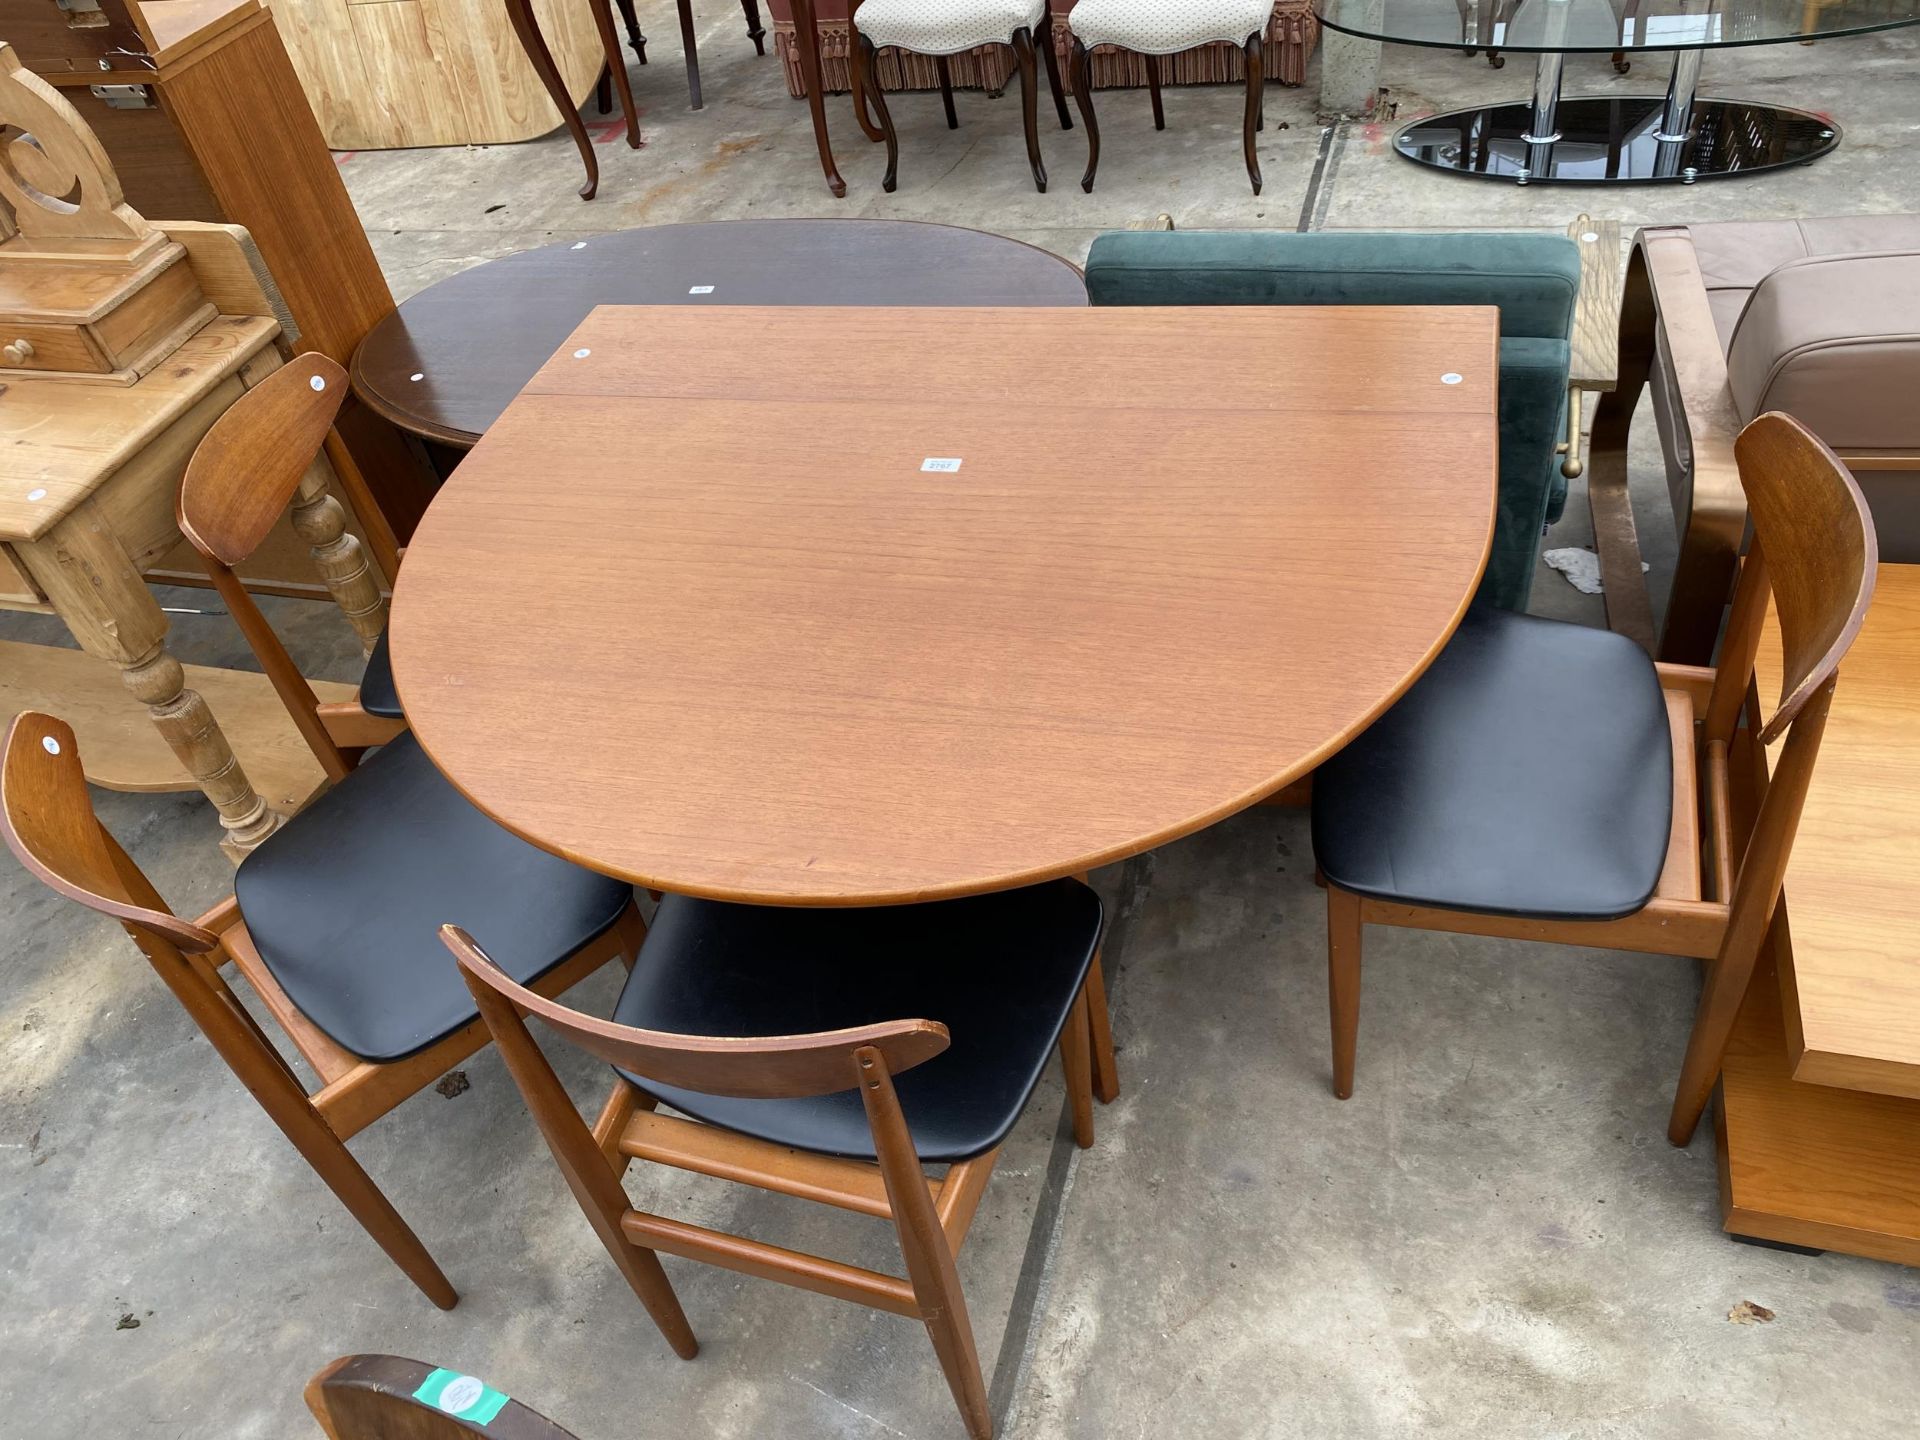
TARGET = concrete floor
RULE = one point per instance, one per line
(1491, 1239)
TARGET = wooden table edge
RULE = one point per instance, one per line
(1074, 865)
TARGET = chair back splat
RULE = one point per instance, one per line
(244, 474)
(47, 819)
(761, 1067)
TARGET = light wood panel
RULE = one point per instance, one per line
(87, 431)
(387, 73)
(1835, 1169)
(118, 741)
(1852, 991)
(801, 669)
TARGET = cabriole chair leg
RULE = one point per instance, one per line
(870, 58)
(1256, 86)
(1080, 71)
(1029, 103)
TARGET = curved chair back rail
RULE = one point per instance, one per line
(47, 818)
(1819, 554)
(261, 456)
(762, 1067)
(386, 1397)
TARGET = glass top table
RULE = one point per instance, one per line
(1679, 137)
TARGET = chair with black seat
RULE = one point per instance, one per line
(333, 925)
(1544, 780)
(826, 1054)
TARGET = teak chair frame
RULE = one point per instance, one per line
(371, 1397)
(48, 821)
(931, 1217)
(261, 456)
(1716, 895)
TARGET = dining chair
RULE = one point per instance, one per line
(263, 457)
(387, 1397)
(332, 925)
(1153, 28)
(825, 1054)
(942, 29)
(1547, 781)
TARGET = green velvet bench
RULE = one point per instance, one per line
(1534, 279)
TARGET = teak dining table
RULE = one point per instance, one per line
(947, 600)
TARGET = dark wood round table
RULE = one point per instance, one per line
(448, 361)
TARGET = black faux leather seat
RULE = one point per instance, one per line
(345, 904)
(377, 693)
(1529, 772)
(999, 971)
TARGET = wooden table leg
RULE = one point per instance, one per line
(94, 586)
(806, 36)
(520, 12)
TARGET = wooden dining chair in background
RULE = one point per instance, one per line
(385, 1397)
(826, 1054)
(262, 456)
(1547, 781)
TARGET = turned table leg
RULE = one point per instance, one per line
(321, 521)
(157, 680)
(94, 586)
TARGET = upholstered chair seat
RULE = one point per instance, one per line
(1166, 27)
(947, 27)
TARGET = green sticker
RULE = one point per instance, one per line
(464, 1397)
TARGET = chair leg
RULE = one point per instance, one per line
(1720, 1001)
(1256, 88)
(756, 32)
(1153, 89)
(691, 45)
(946, 90)
(1050, 52)
(1344, 928)
(634, 38)
(925, 1248)
(1029, 103)
(334, 1163)
(584, 1164)
(861, 80)
(603, 91)
(1080, 72)
(1076, 1060)
(870, 65)
(1106, 1075)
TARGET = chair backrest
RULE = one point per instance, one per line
(241, 479)
(1533, 278)
(385, 1397)
(759, 1067)
(1814, 553)
(47, 819)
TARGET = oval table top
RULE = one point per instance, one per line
(450, 359)
(959, 600)
(1601, 26)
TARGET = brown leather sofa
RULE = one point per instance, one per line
(1722, 322)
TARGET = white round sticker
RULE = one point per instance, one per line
(461, 1392)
